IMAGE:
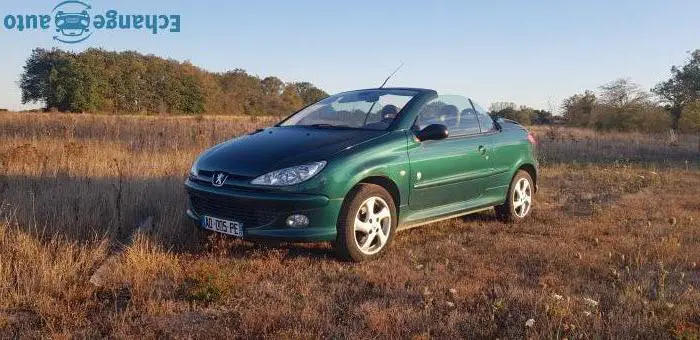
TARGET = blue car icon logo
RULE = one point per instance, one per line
(72, 24)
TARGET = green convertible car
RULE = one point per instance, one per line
(358, 166)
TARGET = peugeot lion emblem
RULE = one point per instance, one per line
(219, 179)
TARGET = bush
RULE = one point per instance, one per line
(690, 120)
(621, 106)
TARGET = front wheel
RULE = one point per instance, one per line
(366, 224)
(518, 204)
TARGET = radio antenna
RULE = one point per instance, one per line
(391, 75)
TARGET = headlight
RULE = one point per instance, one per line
(290, 176)
(194, 170)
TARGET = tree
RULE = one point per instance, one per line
(309, 93)
(192, 97)
(130, 82)
(622, 106)
(690, 120)
(40, 81)
(502, 106)
(622, 94)
(543, 117)
(523, 115)
(681, 89)
(272, 86)
(578, 109)
(291, 100)
(506, 113)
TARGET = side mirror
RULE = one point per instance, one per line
(433, 132)
(498, 122)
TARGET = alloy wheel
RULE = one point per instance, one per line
(522, 197)
(372, 225)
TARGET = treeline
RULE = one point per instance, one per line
(523, 114)
(622, 105)
(619, 105)
(128, 82)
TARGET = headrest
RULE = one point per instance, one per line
(390, 110)
(450, 110)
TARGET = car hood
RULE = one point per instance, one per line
(278, 147)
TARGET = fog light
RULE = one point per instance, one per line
(297, 221)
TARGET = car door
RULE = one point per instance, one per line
(451, 170)
(502, 159)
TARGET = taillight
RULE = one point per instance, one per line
(531, 139)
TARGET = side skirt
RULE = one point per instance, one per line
(443, 218)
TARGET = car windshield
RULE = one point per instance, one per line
(367, 109)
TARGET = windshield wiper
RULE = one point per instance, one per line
(328, 126)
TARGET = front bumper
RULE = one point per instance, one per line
(322, 212)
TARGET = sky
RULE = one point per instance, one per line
(533, 53)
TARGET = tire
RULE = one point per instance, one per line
(518, 204)
(363, 236)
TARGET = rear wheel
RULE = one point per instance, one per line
(518, 205)
(366, 224)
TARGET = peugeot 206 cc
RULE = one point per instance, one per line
(359, 166)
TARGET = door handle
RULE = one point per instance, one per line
(482, 149)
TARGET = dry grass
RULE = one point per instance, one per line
(574, 145)
(611, 250)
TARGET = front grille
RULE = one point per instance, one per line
(252, 215)
(207, 176)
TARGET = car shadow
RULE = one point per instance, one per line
(226, 246)
(317, 251)
(89, 209)
(85, 209)
(483, 216)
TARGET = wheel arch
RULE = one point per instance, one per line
(531, 170)
(386, 183)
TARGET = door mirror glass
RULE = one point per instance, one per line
(433, 132)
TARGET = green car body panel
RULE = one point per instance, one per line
(429, 180)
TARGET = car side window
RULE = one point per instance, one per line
(455, 112)
(485, 121)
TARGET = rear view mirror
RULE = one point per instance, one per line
(364, 97)
(370, 99)
(433, 132)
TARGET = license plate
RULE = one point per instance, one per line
(233, 228)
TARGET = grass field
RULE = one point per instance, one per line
(611, 250)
